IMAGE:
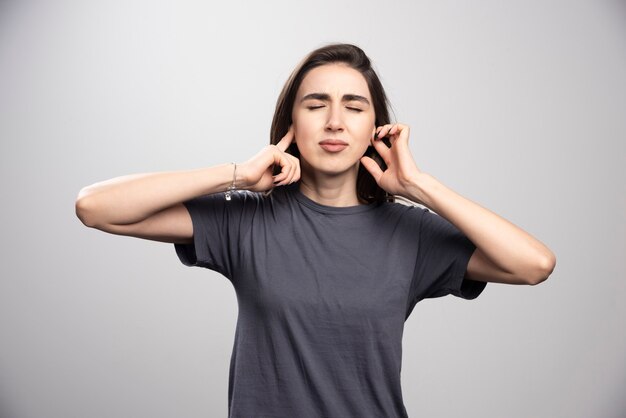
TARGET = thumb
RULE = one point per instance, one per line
(373, 167)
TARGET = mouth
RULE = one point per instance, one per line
(333, 145)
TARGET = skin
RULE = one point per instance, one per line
(150, 205)
(330, 178)
(504, 252)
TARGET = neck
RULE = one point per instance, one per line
(330, 190)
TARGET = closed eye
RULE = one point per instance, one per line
(354, 109)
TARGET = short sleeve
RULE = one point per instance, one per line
(217, 227)
(442, 257)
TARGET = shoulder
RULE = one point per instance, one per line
(405, 208)
(404, 218)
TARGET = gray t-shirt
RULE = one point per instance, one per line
(323, 294)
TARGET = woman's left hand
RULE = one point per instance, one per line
(401, 174)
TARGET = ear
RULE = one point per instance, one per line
(293, 140)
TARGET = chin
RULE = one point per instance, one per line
(334, 168)
(330, 164)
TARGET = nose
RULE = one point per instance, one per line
(334, 121)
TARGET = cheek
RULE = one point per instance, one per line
(303, 130)
(365, 131)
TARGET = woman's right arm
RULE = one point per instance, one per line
(150, 205)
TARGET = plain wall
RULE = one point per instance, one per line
(519, 106)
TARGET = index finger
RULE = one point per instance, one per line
(285, 141)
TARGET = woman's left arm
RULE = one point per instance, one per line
(504, 252)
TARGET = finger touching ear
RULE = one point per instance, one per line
(285, 141)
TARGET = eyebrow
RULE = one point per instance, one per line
(326, 98)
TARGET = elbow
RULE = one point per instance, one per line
(543, 270)
(84, 209)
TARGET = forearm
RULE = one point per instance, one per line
(506, 245)
(133, 198)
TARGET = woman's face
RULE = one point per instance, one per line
(333, 102)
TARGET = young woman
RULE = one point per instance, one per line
(326, 265)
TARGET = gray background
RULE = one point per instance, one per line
(518, 106)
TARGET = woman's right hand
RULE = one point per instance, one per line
(257, 171)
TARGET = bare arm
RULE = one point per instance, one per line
(504, 252)
(150, 205)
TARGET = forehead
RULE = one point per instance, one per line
(334, 79)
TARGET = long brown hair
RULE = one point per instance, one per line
(367, 188)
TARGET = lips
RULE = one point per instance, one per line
(333, 142)
(333, 145)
